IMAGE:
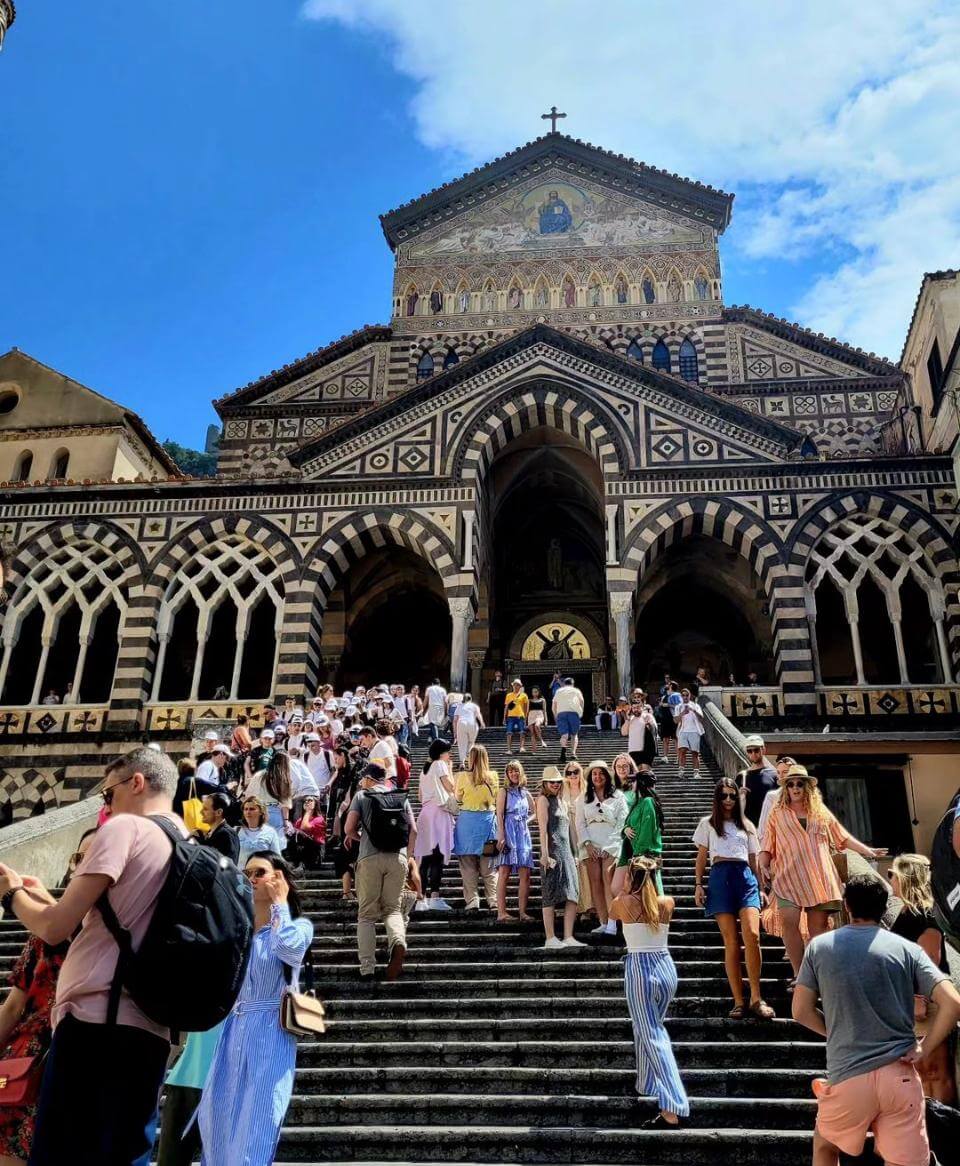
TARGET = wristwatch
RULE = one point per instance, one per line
(6, 902)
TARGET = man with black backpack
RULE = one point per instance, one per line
(166, 928)
(381, 821)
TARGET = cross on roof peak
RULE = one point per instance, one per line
(553, 117)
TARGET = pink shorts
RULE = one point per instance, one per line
(888, 1100)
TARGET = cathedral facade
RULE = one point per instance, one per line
(564, 451)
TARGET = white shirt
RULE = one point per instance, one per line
(602, 822)
(431, 788)
(569, 699)
(319, 768)
(735, 843)
(207, 771)
(303, 780)
(691, 718)
(768, 803)
(436, 697)
(637, 729)
(383, 755)
(467, 714)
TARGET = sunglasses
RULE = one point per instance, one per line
(728, 797)
(107, 794)
(255, 874)
(795, 784)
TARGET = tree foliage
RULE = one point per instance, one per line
(192, 461)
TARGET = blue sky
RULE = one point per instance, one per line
(191, 192)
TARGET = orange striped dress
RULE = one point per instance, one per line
(803, 871)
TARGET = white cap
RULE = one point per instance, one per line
(211, 735)
(221, 749)
(311, 737)
(348, 695)
(330, 706)
(267, 733)
(322, 721)
(352, 710)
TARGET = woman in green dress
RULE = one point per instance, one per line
(643, 830)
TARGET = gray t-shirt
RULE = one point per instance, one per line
(867, 979)
(366, 846)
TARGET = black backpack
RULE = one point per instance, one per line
(385, 820)
(187, 972)
(945, 874)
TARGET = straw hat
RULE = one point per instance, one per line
(800, 771)
(599, 764)
(551, 773)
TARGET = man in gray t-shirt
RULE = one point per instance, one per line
(380, 876)
(866, 979)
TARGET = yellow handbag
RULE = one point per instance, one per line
(192, 808)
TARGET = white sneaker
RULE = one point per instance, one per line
(696, 774)
(611, 928)
(439, 905)
(553, 944)
(601, 930)
(572, 942)
(421, 905)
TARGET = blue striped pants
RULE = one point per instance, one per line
(650, 983)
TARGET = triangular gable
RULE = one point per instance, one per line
(691, 200)
(765, 348)
(658, 419)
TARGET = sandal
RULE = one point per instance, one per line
(762, 1010)
(738, 1012)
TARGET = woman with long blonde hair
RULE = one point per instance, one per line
(574, 787)
(795, 859)
(514, 843)
(910, 883)
(475, 835)
(650, 983)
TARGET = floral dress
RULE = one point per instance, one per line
(34, 973)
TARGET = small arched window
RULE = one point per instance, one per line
(451, 358)
(425, 367)
(649, 291)
(635, 351)
(688, 362)
(58, 467)
(661, 356)
(24, 466)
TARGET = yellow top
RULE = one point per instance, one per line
(477, 797)
(516, 704)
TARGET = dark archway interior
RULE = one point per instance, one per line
(62, 659)
(544, 499)
(919, 636)
(702, 606)
(877, 644)
(398, 631)
(259, 652)
(216, 671)
(181, 653)
(24, 659)
(101, 659)
(834, 643)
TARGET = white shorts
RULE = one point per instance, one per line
(689, 741)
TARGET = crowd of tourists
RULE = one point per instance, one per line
(90, 1028)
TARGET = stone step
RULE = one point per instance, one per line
(495, 1007)
(520, 1144)
(729, 1053)
(549, 1109)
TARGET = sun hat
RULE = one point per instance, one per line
(800, 771)
(598, 764)
(551, 773)
(754, 741)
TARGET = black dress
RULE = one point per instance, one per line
(912, 924)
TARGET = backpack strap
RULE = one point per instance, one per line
(121, 935)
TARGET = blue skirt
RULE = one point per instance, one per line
(473, 829)
(732, 886)
(275, 818)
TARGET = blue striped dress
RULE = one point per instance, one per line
(248, 1089)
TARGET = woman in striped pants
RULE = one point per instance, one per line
(250, 1082)
(650, 983)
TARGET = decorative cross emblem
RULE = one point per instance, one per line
(84, 722)
(754, 704)
(553, 117)
(845, 705)
(929, 703)
(7, 721)
(169, 720)
(7, 532)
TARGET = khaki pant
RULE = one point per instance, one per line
(380, 880)
(474, 867)
(466, 738)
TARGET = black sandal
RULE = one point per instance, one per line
(738, 1012)
(660, 1123)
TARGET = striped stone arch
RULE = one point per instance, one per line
(340, 547)
(117, 556)
(746, 533)
(494, 424)
(905, 516)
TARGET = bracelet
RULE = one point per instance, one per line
(6, 902)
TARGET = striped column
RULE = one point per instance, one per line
(298, 650)
(136, 658)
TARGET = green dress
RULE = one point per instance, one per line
(647, 839)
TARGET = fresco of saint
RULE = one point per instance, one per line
(555, 216)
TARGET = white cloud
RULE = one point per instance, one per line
(841, 115)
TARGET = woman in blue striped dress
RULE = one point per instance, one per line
(650, 983)
(248, 1089)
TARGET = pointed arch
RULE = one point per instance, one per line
(594, 290)
(635, 350)
(462, 298)
(660, 356)
(568, 291)
(701, 284)
(59, 464)
(541, 293)
(674, 287)
(516, 299)
(411, 298)
(425, 367)
(488, 302)
(621, 288)
(687, 361)
(648, 287)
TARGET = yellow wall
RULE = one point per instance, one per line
(91, 456)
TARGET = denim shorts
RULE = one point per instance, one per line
(568, 724)
(515, 725)
(732, 886)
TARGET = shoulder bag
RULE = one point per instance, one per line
(301, 1013)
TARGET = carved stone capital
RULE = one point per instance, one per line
(461, 608)
(621, 602)
(477, 658)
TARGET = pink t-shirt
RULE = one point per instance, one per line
(135, 854)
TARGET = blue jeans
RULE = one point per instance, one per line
(98, 1101)
(403, 734)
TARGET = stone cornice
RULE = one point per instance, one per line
(816, 341)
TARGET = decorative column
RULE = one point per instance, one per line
(476, 660)
(461, 617)
(621, 608)
(612, 535)
(468, 517)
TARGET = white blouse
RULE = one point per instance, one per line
(431, 787)
(643, 937)
(735, 843)
(602, 822)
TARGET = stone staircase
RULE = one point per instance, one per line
(490, 1050)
